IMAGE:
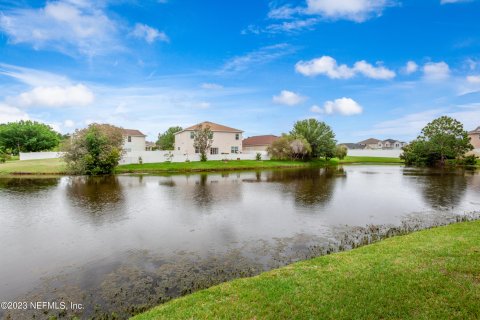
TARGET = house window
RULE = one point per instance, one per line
(210, 136)
(178, 148)
(129, 139)
(234, 150)
(237, 136)
(213, 150)
(197, 150)
(192, 135)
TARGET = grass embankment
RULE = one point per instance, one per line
(431, 274)
(242, 165)
(44, 166)
(57, 166)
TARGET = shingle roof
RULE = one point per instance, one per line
(259, 140)
(475, 131)
(369, 141)
(213, 127)
(133, 132)
(389, 140)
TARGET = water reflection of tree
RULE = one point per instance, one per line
(202, 193)
(99, 196)
(440, 188)
(28, 184)
(308, 186)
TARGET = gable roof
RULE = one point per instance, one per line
(475, 131)
(259, 140)
(390, 140)
(214, 127)
(132, 132)
(369, 141)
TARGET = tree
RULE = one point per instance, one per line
(443, 138)
(318, 134)
(27, 136)
(95, 150)
(202, 140)
(166, 140)
(288, 147)
(341, 152)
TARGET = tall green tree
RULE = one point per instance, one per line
(318, 134)
(166, 140)
(95, 150)
(202, 140)
(443, 138)
(28, 136)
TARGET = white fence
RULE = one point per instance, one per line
(162, 156)
(40, 155)
(395, 153)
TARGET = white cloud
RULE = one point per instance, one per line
(473, 79)
(202, 105)
(410, 67)
(68, 123)
(148, 33)
(56, 96)
(211, 86)
(453, 1)
(369, 71)
(33, 77)
(354, 10)
(436, 71)
(288, 98)
(257, 57)
(316, 109)
(11, 114)
(71, 27)
(343, 106)
(283, 12)
(325, 65)
(328, 66)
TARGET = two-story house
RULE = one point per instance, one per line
(134, 140)
(226, 140)
(475, 138)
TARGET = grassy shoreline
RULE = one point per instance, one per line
(430, 274)
(57, 166)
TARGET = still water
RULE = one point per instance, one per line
(118, 245)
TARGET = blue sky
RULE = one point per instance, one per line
(379, 68)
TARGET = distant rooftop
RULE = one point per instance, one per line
(133, 132)
(213, 127)
(259, 140)
(475, 131)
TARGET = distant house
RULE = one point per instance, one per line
(371, 143)
(475, 138)
(225, 139)
(150, 146)
(353, 146)
(391, 144)
(134, 140)
(258, 143)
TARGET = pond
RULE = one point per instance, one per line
(121, 244)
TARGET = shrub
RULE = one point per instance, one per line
(341, 152)
(95, 150)
(288, 147)
(258, 156)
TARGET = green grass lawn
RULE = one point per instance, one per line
(57, 166)
(46, 166)
(431, 274)
(242, 165)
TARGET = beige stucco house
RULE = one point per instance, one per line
(475, 138)
(226, 140)
(134, 140)
(258, 143)
(371, 143)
